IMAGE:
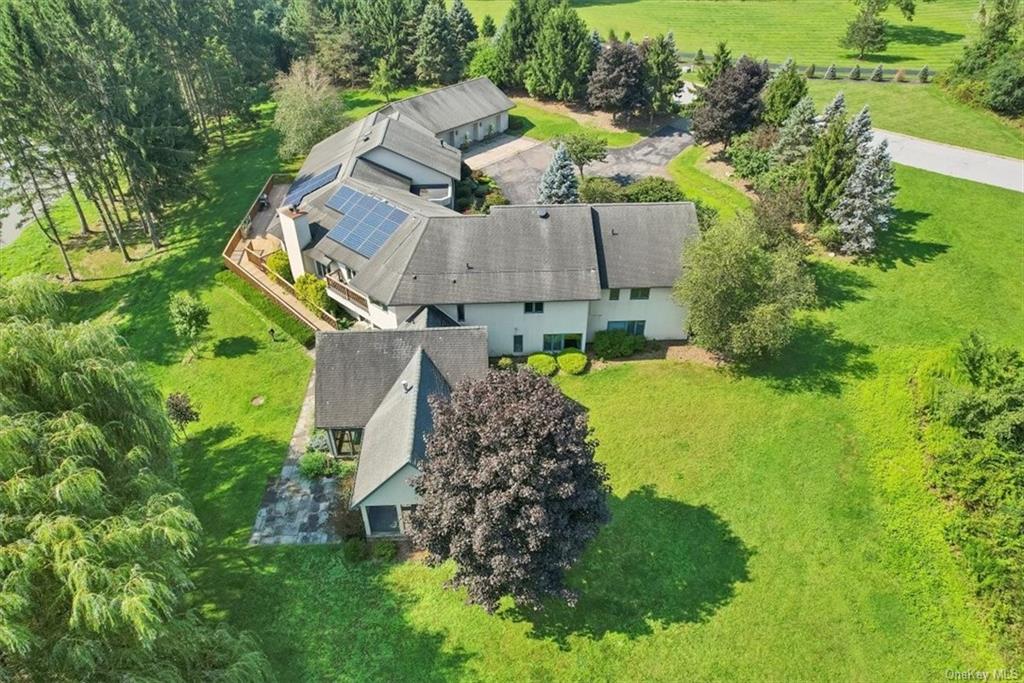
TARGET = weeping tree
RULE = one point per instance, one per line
(96, 537)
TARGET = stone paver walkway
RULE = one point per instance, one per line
(295, 510)
(958, 162)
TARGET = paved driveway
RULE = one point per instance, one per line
(957, 162)
(517, 169)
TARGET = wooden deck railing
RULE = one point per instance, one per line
(261, 263)
(274, 179)
(347, 293)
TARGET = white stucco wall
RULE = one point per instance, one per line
(396, 490)
(663, 316)
(503, 321)
(416, 172)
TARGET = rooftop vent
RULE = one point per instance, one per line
(542, 213)
(366, 138)
(468, 266)
(406, 387)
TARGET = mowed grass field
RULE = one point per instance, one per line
(926, 111)
(773, 525)
(806, 30)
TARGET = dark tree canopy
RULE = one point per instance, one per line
(562, 58)
(618, 83)
(731, 104)
(517, 38)
(511, 491)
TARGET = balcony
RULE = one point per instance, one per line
(346, 294)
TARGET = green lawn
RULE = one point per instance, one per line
(926, 112)
(806, 30)
(696, 184)
(768, 526)
(540, 124)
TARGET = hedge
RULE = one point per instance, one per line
(543, 364)
(280, 320)
(572, 362)
(616, 344)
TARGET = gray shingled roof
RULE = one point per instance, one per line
(640, 245)
(426, 317)
(453, 106)
(395, 435)
(355, 370)
(510, 255)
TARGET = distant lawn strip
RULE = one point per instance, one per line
(361, 101)
(539, 124)
(809, 31)
(698, 184)
(280, 320)
(926, 111)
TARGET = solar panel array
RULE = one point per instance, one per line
(301, 187)
(366, 223)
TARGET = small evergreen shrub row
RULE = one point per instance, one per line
(572, 361)
(616, 344)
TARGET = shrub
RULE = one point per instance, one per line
(748, 159)
(1005, 91)
(319, 440)
(830, 237)
(311, 291)
(315, 464)
(384, 551)
(355, 550)
(506, 363)
(616, 344)
(855, 73)
(180, 410)
(277, 263)
(495, 198)
(830, 73)
(543, 364)
(878, 75)
(349, 523)
(598, 190)
(971, 91)
(572, 361)
(901, 76)
(924, 74)
(653, 189)
(809, 73)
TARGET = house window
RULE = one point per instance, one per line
(640, 293)
(383, 519)
(613, 295)
(321, 269)
(553, 343)
(632, 326)
(517, 343)
(460, 313)
(533, 307)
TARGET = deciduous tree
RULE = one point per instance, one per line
(618, 83)
(731, 105)
(309, 108)
(189, 317)
(583, 148)
(866, 32)
(510, 487)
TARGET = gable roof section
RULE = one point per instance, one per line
(395, 435)
(452, 106)
(426, 317)
(355, 370)
(640, 245)
(516, 253)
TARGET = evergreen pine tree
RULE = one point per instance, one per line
(796, 134)
(782, 92)
(487, 27)
(865, 208)
(830, 73)
(859, 131)
(438, 59)
(518, 36)
(663, 72)
(855, 73)
(924, 74)
(699, 59)
(720, 61)
(835, 108)
(463, 28)
(562, 57)
(829, 165)
(809, 73)
(559, 184)
(878, 74)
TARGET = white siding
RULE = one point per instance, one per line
(503, 321)
(663, 316)
(476, 130)
(414, 171)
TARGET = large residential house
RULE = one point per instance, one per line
(371, 212)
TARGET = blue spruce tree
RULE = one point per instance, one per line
(559, 184)
(865, 208)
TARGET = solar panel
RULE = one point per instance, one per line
(366, 222)
(303, 186)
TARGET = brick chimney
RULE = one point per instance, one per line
(295, 228)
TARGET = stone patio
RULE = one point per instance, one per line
(295, 510)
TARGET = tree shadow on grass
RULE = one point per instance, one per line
(659, 561)
(898, 246)
(921, 35)
(518, 125)
(318, 617)
(816, 360)
(837, 286)
(233, 347)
